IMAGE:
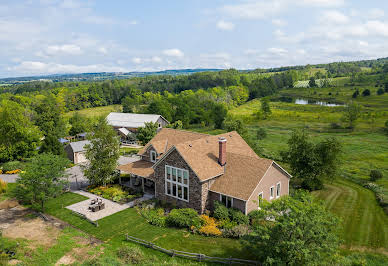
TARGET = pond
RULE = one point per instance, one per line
(306, 101)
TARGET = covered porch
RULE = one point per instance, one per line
(141, 176)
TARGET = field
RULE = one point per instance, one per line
(365, 225)
(96, 111)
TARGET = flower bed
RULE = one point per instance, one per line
(115, 193)
(226, 222)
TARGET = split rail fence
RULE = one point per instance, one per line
(196, 256)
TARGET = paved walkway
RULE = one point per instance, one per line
(9, 178)
(110, 206)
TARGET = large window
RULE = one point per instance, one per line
(153, 156)
(177, 183)
(278, 190)
(227, 201)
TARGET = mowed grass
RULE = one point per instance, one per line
(365, 225)
(112, 229)
(96, 111)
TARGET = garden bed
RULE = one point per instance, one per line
(115, 193)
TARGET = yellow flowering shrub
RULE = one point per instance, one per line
(209, 227)
(13, 172)
(3, 186)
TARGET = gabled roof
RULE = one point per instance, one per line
(79, 146)
(131, 120)
(168, 137)
(242, 175)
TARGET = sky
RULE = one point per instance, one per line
(78, 36)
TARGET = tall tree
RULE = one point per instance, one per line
(44, 178)
(19, 138)
(146, 133)
(265, 108)
(49, 117)
(295, 230)
(351, 114)
(79, 124)
(311, 162)
(219, 114)
(103, 153)
(52, 145)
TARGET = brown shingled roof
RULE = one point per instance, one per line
(242, 175)
(140, 168)
(168, 137)
(202, 154)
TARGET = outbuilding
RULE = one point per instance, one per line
(76, 151)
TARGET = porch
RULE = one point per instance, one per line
(141, 176)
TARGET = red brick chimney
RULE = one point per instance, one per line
(222, 151)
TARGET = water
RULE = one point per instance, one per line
(328, 104)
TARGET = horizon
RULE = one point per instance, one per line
(59, 37)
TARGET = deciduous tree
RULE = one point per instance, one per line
(103, 153)
(146, 133)
(295, 230)
(44, 178)
(351, 114)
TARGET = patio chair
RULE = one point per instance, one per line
(102, 206)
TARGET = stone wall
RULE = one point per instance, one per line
(197, 191)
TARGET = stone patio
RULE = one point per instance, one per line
(110, 206)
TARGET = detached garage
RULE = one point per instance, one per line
(76, 151)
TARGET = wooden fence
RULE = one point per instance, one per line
(188, 255)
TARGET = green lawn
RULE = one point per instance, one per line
(96, 111)
(113, 229)
(364, 221)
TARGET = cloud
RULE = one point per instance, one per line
(224, 25)
(279, 22)
(137, 60)
(375, 13)
(156, 59)
(70, 49)
(36, 68)
(173, 52)
(334, 16)
(277, 51)
(261, 9)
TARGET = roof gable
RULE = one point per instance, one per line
(79, 146)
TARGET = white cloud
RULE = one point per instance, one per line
(375, 13)
(70, 49)
(334, 16)
(103, 50)
(137, 60)
(279, 22)
(225, 25)
(173, 52)
(156, 59)
(36, 68)
(376, 27)
(277, 51)
(323, 3)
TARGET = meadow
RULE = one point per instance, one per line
(365, 225)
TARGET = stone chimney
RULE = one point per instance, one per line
(222, 151)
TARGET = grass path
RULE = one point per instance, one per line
(365, 223)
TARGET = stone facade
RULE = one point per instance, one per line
(147, 155)
(197, 194)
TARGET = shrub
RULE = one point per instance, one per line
(375, 175)
(355, 94)
(182, 217)
(3, 186)
(11, 166)
(220, 211)
(237, 231)
(380, 91)
(238, 217)
(335, 126)
(261, 133)
(209, 227)
(366, 92)
(130, 255)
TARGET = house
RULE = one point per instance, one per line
(76, 151)
(131, 122)
(193, 170)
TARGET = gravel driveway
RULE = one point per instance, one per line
(9, 178)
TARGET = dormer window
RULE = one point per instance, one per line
(153, 156)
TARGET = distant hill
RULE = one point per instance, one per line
(100, 76)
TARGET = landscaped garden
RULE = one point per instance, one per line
(115, 193)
